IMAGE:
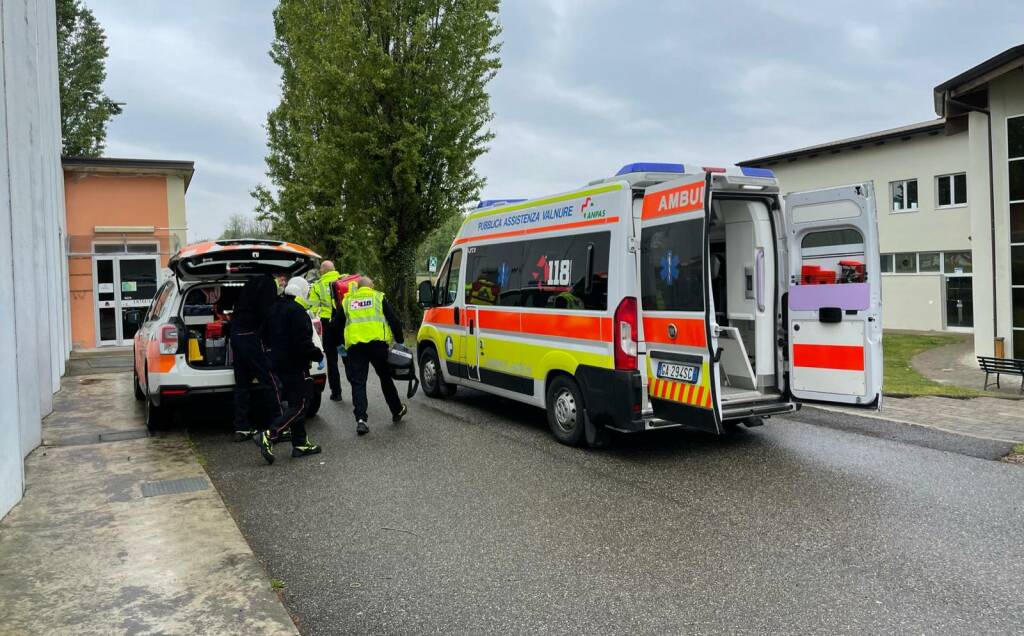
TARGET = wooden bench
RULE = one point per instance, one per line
(1001, 366)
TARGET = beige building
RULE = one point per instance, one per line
(950, 195)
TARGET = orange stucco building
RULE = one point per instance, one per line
(125, 218)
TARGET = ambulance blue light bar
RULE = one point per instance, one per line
(486, 203)
(630, 168)
(757, 172)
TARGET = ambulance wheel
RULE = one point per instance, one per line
(157, 417)
(565, 411)
(430, 375)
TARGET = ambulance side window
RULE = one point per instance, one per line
(672, 266)
(567, 272)
(447, 289)
(157, 307)
(492, 274)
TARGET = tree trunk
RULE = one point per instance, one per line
(400, 283)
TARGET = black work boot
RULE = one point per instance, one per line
(306, 448)
(336, 397)
(283, 436)
(244, 435)
(400, 414)
(267, 447)
(362, 428)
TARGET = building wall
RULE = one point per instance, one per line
(113, 199)
(33, 308)
(912, 301)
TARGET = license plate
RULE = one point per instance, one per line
(678, 372)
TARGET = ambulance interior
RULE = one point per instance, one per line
(206, 312)
(743, 288)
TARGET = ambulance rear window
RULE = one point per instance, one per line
(672, 266)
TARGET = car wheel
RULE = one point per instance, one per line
(157, 417)
(314, 403)
(430, 375)
(565, 411)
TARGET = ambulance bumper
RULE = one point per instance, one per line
(613, 398)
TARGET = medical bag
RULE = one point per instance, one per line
(400, 361)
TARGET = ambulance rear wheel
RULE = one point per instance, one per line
(565, 411)
(430, 375)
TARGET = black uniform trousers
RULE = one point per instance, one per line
(250, 363)
(331, 344)
(360, 358)
(295, 392)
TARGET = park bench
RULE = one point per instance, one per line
(1001, 366)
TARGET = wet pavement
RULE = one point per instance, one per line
(103, 542)
(469, 518)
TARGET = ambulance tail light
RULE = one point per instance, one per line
(169, 339)
(625, 337)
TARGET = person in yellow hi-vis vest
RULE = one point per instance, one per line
(370, 323)
(321, 305)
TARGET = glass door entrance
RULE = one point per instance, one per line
(959, 302)
(125, 286)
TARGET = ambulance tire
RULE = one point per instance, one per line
(157, 417)
(564, 405)
(430, 376)
(314, 403)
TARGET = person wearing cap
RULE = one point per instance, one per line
(288, 333)
(370, 324)
(321, 304)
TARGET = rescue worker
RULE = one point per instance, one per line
(369, 324)
(289, 335)
(250, 359)
(321, 305)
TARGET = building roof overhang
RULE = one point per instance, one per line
(975, 79)
(114, 165)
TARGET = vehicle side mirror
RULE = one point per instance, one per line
(425, 295)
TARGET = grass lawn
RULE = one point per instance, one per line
(901, 379)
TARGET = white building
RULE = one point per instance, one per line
(950, 195)
(35, 335)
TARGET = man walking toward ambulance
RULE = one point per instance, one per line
(370, 324)
(321, 305)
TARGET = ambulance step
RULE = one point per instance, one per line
(757, 409)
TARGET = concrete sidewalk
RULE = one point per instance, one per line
(956, 365)
(88, 552)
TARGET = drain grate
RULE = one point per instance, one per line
(173, 486)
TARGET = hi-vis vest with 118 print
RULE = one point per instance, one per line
(364, 317)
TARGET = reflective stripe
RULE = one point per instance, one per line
(364, 317)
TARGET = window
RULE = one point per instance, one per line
(951, 190)
(108, 248)
(886, 263)
(447, 289)
(157, 307)
(142, 248)
(929, 262)
(493, 273)
(566, 272)
(906, 263)
(672, 266)
(957, 263)
(1015, 151)
(904, 195)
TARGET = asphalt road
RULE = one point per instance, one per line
(469, 518)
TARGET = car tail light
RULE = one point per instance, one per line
(319, 327)
(625, 336)
(168, 339)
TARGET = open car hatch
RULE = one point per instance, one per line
(240, 258)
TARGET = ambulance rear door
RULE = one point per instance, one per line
(674, 288)
(834, 296)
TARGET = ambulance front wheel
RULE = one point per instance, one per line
(565, 411)
(430, 376)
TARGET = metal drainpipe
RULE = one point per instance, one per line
(991, 206)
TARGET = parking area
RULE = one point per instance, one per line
(468, 518)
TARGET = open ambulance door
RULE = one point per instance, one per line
(834, 296)
(679, 365)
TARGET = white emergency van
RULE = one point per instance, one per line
(664, 296)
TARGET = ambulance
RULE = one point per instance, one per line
(665, 296)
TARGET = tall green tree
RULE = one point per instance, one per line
(81, 69)
(383, 114)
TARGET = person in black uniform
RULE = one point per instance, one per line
(250, 359)
(289, 334)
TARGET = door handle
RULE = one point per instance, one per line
(759, 278)
(457, 316)
(471, 326)
(718, 355)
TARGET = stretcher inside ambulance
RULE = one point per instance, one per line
(663, 296)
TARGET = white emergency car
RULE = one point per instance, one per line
(181, 349)
(666, 295)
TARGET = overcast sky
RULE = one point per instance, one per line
(586, 86)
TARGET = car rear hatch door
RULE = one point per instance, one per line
(239, 258)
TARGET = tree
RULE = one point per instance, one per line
(241, 226)
(81, 69)
(382, 117)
